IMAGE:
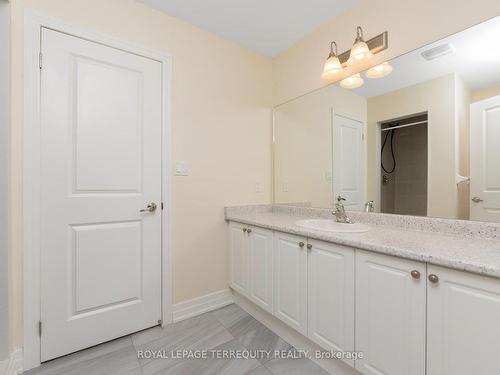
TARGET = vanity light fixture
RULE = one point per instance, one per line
(357, 57)
(379, 71)
(332, 64)
(360, 52)
(352, 82)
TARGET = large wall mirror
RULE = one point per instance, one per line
(423, 140)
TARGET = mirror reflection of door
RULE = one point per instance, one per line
(484, 160)
(349, 162)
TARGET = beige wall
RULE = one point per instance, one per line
(303, 144)
(411, 24)
(485, 93)
(221, 99)
(437, 97)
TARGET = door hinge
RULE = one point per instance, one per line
(162, 205)
(40, 60)
(362, 136)
(40, 328)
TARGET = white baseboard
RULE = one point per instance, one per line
(12, 365)
(200, 305)
(293, 337)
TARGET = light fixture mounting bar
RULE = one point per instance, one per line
(376, 44)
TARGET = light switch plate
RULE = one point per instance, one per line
(181, 168)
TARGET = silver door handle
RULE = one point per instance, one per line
(151, 207)
(477, 200)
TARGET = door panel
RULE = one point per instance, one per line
(390, 315)
(463, 328)
(349, 162)
(100, 165)
(107, 100)
(484, 156)
(238, 243)
(107, 243)
(290, 281)
(261, 267)
(331, 296)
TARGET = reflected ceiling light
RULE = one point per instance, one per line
(332, 64)
(379, 71)
(360, 52)
(352, 82)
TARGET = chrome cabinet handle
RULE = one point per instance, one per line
(151, 207)
(309, 246)
(249, 231)
(415, 274)
(476, 199)
(245, 230)
(301, 244)
(433, 278)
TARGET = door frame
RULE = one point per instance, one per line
(33, 24)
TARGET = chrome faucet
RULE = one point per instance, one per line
(340, 214)
(369, 206)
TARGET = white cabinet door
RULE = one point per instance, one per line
(290, 280)
(390, 315)
(238, 258)
(260, 289)
(331, 296)
(463, 329)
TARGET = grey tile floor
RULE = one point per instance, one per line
(227, 328)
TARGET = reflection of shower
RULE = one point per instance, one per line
(403, 165)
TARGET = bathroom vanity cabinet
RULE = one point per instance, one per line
(463, 323)
(330, 296)
(407, 317)
(390, 314)
(251, 262)
(290, 280)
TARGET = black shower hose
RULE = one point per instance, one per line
(391, 133)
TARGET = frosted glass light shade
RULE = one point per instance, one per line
(379, 71)
(332, 66)
(352, 82)
(360, 54)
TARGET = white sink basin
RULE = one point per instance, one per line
(330, 225)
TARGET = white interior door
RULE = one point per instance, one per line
(100, 164)
(349, 162)
(484, 159)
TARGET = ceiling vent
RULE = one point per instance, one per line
(439, 51)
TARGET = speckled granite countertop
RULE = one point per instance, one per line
(457, 244)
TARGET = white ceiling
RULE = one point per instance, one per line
(266, 26)
(476, 60)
